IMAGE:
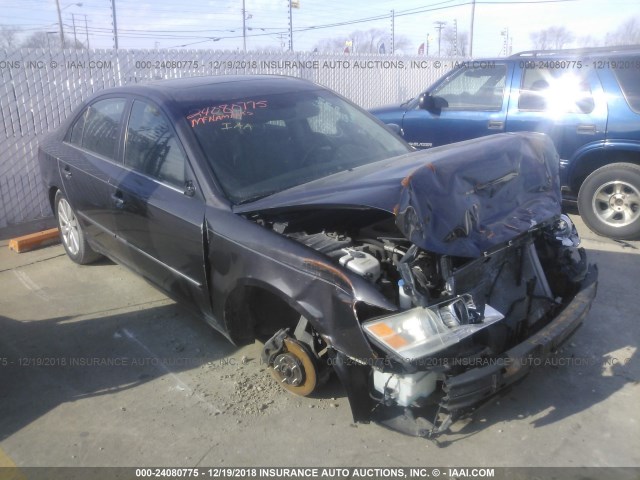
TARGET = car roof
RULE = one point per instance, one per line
(214, 88)
(614, 51)
(592, 52)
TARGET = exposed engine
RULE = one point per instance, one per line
(452, 311)
(523, 282)
(372, 252)
(380, 254)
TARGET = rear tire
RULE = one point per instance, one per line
(609, 201)
(72, 236)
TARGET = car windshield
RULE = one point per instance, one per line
(258, 146)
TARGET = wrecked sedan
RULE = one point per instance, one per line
(279, 211)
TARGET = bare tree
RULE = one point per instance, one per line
(552, 38)
(39, 40)
(8, 37)
(45, 40)
(330, 45)
(626, 34)
(453, 44)
(588, 41)
(374, 40)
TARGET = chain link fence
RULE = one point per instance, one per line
(40, 88)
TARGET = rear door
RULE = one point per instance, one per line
(158, 210)
(568, 104)
(475, 105)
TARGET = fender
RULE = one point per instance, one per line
(569, 167)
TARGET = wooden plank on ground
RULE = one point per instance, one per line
(34, 240)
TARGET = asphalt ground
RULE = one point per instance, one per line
(97, 368)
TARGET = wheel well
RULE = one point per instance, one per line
(254, 312)
(599, 158)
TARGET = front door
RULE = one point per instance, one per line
(475, 105)
(158, 211)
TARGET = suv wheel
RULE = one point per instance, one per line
(609, 201)
(73, 238)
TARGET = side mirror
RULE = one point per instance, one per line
(432, 104)
(425, 102)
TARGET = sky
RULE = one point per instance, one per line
(217, 24)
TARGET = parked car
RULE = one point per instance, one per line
(587, 101)
(279, 211)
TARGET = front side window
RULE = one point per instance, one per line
(101, 128)
(555, 90)
(152, 147)
(474, 89)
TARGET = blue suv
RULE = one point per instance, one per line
(587, 101)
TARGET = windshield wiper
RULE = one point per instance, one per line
(256, 197)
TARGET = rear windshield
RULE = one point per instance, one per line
(258, 146)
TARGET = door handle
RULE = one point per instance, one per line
(67, 171)
(586, 130)
(495, 125)
(118, 201)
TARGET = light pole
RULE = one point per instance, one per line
(505, 44)
(115, 24)
(439, 26)
(393, 32)
(290, 27)
(473, 19)
(245, 16)
(60, 18)
(86, 30)
(292, 4)
(244, 28)
(75, 36)
(455, 37)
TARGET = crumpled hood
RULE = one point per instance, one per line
(460, 199)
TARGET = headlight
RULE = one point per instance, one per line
(420, 331)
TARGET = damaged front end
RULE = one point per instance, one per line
(504, 310)
(477, 272)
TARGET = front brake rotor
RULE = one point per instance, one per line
(294, 368)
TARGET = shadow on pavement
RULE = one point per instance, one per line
(49, 362)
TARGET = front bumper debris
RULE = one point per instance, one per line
(476, 385)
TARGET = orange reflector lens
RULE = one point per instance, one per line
(381, 330)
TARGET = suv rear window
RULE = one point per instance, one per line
(629, 80)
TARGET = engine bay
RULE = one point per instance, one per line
(525, 281)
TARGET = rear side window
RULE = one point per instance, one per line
(475, 88)
(152, 147)
(98, 129)
(629, 80)
(556, 90)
